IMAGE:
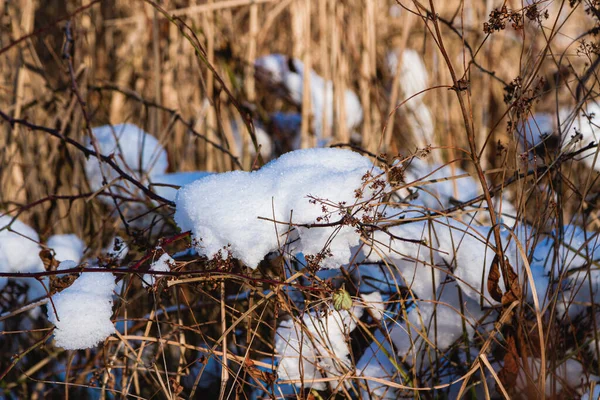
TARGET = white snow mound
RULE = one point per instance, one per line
(84, 310)
(19, 252)
(224, 209)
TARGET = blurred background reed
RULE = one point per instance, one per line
(132, 64)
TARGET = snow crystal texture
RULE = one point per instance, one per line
(224, 209)
(83, 311)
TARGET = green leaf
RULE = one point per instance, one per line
(342, 300)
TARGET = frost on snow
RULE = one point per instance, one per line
(226, 209)
(317, 343)
(83, 311)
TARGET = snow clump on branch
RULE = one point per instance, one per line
(249, 213)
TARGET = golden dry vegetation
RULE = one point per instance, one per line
(184, 71)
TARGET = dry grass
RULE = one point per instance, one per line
(165, 67)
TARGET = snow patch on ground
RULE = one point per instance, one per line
(316, 343)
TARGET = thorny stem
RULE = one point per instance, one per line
(200, 276)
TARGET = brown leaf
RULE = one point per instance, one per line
(258, 374)
(50, 263)
(510, 370)
(494, 279)
(514, 287)
(175, 386)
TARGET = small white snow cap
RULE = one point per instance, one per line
(84, 310)
(19, 244)
(224, 209)
(163, 264)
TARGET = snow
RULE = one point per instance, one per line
(450, 247)
(374, 302)
(209, 370)
(163, 264)
(570, 373)
(117, 249)
(135, 151)
(376, 362)
(66, 247)
(535, 129)
(592, 395)
(316, 343)
(164, 185)
(375, 277)
(83, 311)
(3, 268)
(289, 73)
(19, 252)
(435, 190)
(576, 251)
(414, 80)
(223, 210)
(262, 137)
(67, 264)
(19, 244)
(415, 263)
(506, 211)
(442, 322)
(287, 126)
(586, 128)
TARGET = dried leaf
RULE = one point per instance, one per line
(514, 288)
(47, 257)
(494, 280)
(510, 370)
(175, 386)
